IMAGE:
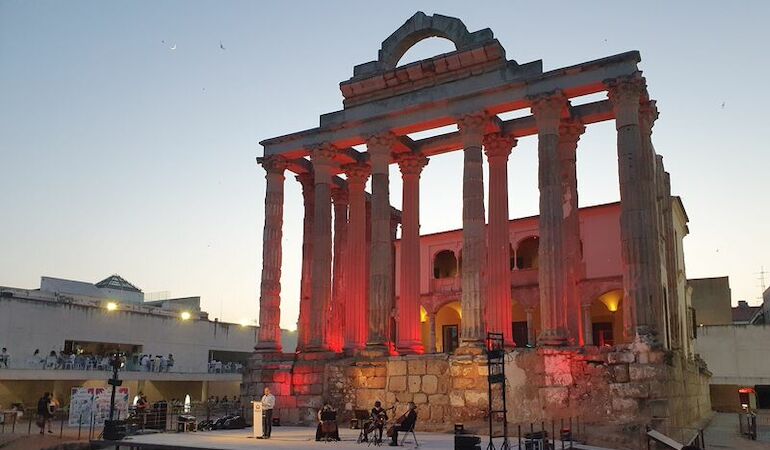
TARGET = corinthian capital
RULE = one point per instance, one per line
(340, 196)
(498, 146)
(624, 94)
(648, 114)
(379, 147)
(323, 155)
(548, 109)
(411, 164)
(357, 173)
(570, 130)
(274, 164)
(472, 128)
(380, 142)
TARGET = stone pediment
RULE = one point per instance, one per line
(475, 53)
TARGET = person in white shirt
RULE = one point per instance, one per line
(145, 363)
(268, 403)
(4, 357)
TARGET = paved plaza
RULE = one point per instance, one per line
(293, 437)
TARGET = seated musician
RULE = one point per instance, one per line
(327, 424)
(378, 418)
(404, 423)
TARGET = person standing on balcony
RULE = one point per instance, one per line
(4, 357)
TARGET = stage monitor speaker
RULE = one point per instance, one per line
(114, 430)
(467, 442)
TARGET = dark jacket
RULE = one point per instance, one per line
(42, 407)
(409, 420)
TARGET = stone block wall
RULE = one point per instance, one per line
(624, 386)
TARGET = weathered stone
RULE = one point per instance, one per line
(416, 367)
(414, 383)
(644, 372)
(420, 398)
(430, 384)
(404, 397)
(438, 399)
(397, 368)
(375, 382)
(476, 399)
(437, 413)
(457, 399)
(437, 367)
(629, 390)
(397, 383)
(620, 373)
(620, 358)
(462, 383)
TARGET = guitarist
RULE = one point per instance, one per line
(404, 423)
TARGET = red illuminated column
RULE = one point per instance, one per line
(548, 110)
(638, 242)
(498, 148)
(337, 317)
(320, 300)
(473, 328)
(588, 332)
(409, 340)
(270, 287)
(303, 322)
(356, 273)
(569, 134)
(381, 256)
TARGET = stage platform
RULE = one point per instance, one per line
(285, 438)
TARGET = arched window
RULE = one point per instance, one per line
(526, 254)
(444, 264)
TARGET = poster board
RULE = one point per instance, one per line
(257, 407)
(101, 406)
(87, 404)
(81, 406)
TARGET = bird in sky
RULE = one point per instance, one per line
(221, 46)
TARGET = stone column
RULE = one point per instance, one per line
(548, 110)
(303, 322)
(381, 257)
(408, 340)
(588, 328)
(499, 317)
(323, 160)
(336, 319)
(473, 303)
(648, 114)
(432, 336)
(270, 287)
(356, 276)
(569, 134)
(638, 244)
(531, 338)
(672, 263)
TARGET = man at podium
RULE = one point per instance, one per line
(268, 403)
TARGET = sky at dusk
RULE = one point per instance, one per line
(128, 135)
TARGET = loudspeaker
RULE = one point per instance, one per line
(114, 430)
(467, 442)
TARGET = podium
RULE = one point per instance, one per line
(257, 409)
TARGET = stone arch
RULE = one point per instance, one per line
(421, 26)
(527, 253)
(444, 264)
